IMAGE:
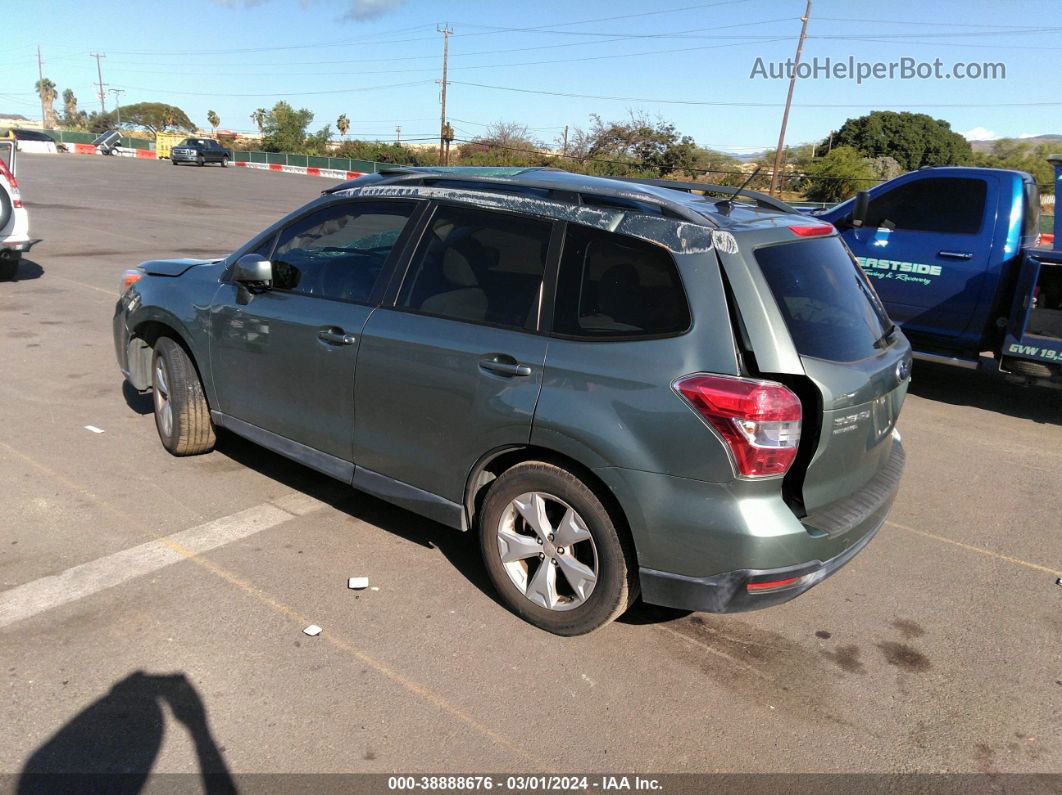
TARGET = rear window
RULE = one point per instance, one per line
(33, 135)
(828, 303)
(615, 286)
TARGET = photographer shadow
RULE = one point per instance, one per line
(112, 744)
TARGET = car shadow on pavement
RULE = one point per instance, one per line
(140, 402)
(112, 744)
(28, 270)
(960, 387)
(460, 549)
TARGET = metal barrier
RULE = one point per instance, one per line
(309, 161)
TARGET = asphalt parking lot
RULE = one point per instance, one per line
(939, 648)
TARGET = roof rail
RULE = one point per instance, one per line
(761, 199)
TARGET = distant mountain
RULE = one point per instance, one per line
(986, 146)
(13, 117)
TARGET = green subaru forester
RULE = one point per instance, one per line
(623, 388)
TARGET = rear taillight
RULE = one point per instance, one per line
(758, 420)
(16, 197)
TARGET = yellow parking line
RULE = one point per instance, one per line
(981, 550)
(416, 688)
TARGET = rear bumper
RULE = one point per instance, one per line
(730, 592)
(700, 545)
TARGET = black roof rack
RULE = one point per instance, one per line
(761, 199)
(567, 186)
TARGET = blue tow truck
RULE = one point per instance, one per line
(956, 256)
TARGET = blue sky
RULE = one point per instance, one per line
(378, 61)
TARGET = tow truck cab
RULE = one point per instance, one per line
(956, 256)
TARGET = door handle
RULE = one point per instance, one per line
(336, 337)
(955, 254)
(499, 366)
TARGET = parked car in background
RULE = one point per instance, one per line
(200, 151)
(957, 257)
(622, 388)
(33, 141)
(14, 219)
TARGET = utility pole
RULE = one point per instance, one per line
(99, 73)
(398, 135)
(564, 149)
(117, 104)
(788, 101)
(444, 143)
(40, 75)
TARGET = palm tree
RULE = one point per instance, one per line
(47, 91)
(70, 114)
(214, 120)
(343, 124)
(258, 117)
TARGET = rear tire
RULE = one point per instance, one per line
(182, 416)
(579, 604)
(199, 161)
(6, 208)
(9, 261)
(224, 162)
(1027, 368)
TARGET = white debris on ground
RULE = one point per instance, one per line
(93, 428)
(375, 588)
(313, 631)
(358, 583)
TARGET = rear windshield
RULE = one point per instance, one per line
(829, 305)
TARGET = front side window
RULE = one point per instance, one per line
(339, 251)
(615, 286)
(946, 206)
(479, 266)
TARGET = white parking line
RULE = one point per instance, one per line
(78, 582)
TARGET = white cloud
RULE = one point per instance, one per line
(365, 10)
(979, 134)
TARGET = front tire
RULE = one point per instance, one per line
(553, 551)
(9, 261)
(182, 416)
(224, 162)
(199, 161)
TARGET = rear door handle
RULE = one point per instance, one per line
(500, 366)
(336, 337)
(955, 254)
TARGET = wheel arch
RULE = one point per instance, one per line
(141, 347)
(492, 464)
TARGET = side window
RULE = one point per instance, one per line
(339, 251)
(948, 206)
(614, 286)
(479, 266)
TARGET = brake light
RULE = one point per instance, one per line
(811, 231)
(16, 196)
(758, 420)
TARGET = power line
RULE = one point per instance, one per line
(285, 94)
(757, 104)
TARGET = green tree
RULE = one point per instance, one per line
(343, 124)
(72, 117)
(213, 120)
(258, 117)
(503, 143)
(1021, 155)
(47, 91)
(838, 175)
(912, 139)
(151, 116)
(634, 146)
(284, 128)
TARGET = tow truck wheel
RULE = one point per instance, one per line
(9, 261)
(1027, 368)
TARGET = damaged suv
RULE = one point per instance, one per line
(621, 387)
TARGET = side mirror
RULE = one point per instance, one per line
(253, 269)
(859, 210)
